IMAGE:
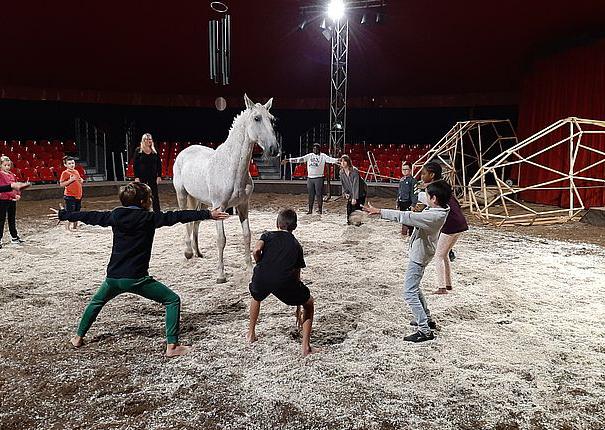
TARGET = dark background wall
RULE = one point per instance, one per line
(48, 120)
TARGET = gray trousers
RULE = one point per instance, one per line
(414, 297)
(315, 187)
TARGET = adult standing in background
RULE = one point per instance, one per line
(354, 188)
(316, 162)
(406, 195)
(148, 167)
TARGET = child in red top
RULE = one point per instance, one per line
(72, 181)
(8, 201)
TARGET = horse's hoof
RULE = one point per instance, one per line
(188, 255)
(221, 280)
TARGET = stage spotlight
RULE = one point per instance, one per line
(338, 126)
(336, 9)
(323, 24)
(302, 24)
(327, 34)
(379, 18)
(364, 18)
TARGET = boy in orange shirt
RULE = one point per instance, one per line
(72, 181)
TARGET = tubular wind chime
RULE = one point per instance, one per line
(219, 48)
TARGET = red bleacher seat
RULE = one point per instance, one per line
(253, 169)
(21, 164)
(81, 171)
(130, 170)
(17, 173)
(46, 174)
(397, 172)
(300, 171)
(29, 174)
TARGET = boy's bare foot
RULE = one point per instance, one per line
(174, 350)
(251, 337)
(77, 341)
(309, 350)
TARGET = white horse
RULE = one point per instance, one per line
(204, 177)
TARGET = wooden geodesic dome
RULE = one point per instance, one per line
(546, 178)
(465, 149)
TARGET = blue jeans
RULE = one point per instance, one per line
(415, 298)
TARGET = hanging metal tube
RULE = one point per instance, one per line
(223, 42)
(104, 156)
(123, 166)
(113, 166)
(227, 51)
(211, 49)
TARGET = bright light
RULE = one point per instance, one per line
(336, 9)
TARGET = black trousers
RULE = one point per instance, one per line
(355, 207)
(315, 187)
(154, 192)
(8, 208)
(405, 206)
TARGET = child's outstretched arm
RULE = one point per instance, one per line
(164, 219)
(258, 250)
(101, 218)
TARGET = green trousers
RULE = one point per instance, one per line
(145, 287)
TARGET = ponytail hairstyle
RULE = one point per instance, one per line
(434, 168)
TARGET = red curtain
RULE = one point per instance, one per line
(571, 83)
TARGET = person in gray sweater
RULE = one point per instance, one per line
(423, 242)
(354, 188)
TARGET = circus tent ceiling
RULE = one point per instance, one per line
(422, 49)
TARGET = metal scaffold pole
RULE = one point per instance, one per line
(338, 86)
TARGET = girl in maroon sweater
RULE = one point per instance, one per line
(454, 226)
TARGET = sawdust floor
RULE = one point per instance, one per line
(521, 340)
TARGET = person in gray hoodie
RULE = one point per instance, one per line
(423, 242)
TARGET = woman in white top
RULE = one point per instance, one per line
(316, 162)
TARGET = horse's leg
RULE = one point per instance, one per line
(220, 242)
(195, 228)
(242, 211)
(183, 200)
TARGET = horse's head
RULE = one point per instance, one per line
(260, 126)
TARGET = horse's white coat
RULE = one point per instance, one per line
(205, 177)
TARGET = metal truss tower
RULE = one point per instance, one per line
(338, 87)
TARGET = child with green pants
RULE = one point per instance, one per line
(133, 227)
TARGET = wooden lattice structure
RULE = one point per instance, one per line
(465, 149)
(501, 184)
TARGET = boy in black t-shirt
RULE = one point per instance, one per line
(279, 258)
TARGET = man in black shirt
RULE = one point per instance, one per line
(279, 258)
(133, 228)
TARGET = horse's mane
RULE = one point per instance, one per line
(236, 120)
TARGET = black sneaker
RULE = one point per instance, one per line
(432, 324)
(17, 240)
(451, 255)
(419, 337)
